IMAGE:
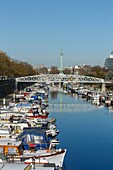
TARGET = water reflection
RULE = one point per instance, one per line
(87, 136)
(53, 94)
(56, 107)
(72, 105)
(59, 103)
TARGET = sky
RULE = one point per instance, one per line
(35, 31)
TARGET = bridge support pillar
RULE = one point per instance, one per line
(60, 84)
(103, 87)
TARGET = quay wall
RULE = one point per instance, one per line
(22, 85)
(7, 87)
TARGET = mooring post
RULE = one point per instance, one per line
(16, 85)
(103, 89)
(4, 103)
(14, 97)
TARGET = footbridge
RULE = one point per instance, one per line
(57, 78)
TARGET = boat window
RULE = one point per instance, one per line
(1, 150)
(5, 126)
(11, 150)
(17, 128)
(38, 139)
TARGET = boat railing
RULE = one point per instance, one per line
(10, 156)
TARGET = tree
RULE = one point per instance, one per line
(43, 70)
(5, 64)
(67, 71)
(109, 75)
(9, 67)
(54, 70)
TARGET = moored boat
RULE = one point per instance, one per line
(34, 141)
(50, 156)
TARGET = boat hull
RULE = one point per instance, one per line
(56, 157)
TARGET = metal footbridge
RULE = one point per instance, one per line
(57, 78)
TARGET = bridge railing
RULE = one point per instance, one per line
(59, 78)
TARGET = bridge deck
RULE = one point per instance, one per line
(60, 78)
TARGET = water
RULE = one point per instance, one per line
(86, 133)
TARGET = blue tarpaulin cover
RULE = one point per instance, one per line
(34, 135)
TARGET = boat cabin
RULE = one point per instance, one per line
(10, 115)
(10, 147)
(15, 128)
(5, 132)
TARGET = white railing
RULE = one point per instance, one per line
(60, 78)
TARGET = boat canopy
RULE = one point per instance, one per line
(23, 105)
(36, 136)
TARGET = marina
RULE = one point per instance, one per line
(56, 85)
(27, 134)
(50, 127)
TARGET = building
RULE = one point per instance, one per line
(109, 61)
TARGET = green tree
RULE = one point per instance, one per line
(43, 70)
(54, 70)
(9, 67)
(67, 71)
(109, 75)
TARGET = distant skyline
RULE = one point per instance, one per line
(35, 31)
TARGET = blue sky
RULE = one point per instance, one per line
(35, 30)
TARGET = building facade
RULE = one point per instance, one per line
(109, 61)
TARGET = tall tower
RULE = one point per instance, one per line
(61, 67)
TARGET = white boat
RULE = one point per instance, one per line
(34, 150)
(49, 156)
(52, 132)
(11, 148)
(7, 114)
(5, 132)
(36, 161)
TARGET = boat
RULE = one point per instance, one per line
(5, 132)
(52, 132)
(10, 115)
(37, 113)
(27, 135)
(36, 161)
(11, 151)
(34, 136)
(49, 156)
(36, 144)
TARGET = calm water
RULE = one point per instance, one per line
(86, 133)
